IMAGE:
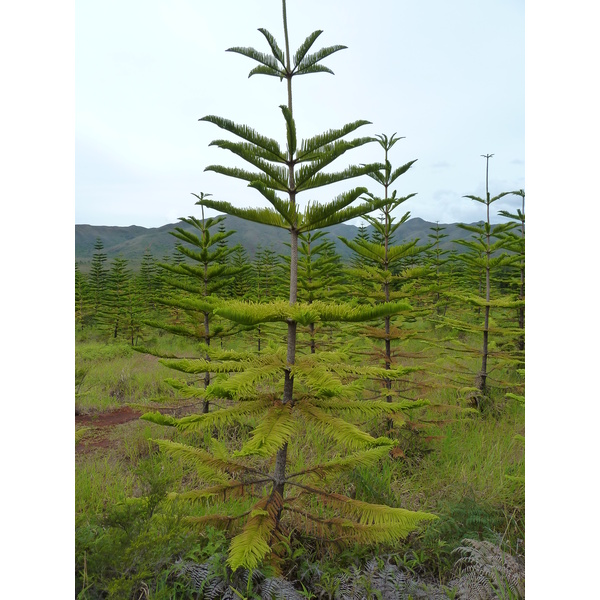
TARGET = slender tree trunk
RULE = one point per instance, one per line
(288, 385)
(482, 379)
(521, 341)
(205, 403)
(388, 355)
(388, 342)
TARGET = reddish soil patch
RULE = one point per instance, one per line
(115, 417)
(97, 439)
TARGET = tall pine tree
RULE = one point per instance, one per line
(195, 289)
(286, 391)
(380, 255)
(98, 278)
(480, 333)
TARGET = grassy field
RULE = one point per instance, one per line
(465, 466)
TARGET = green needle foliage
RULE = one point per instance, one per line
(121, 311)
(81, 297)
(488, 251)
(195, 286)
(380, 262)
(437, 260)
(150, 283)
(98, 277)
(266, 285)
(515, 239)
(319, 277)
(287, 392)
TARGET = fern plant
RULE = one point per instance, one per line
(386, 581)
(213, 582)
(486, 572)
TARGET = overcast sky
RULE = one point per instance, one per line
(447, 76)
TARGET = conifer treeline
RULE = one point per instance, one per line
(122, 302)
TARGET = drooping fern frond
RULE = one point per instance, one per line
(80, 433)
(266, 216)
(368, 409)
(250, 547)
(223, 417)
(340, 430)
(199, 365)
(352, 314)
(159, 419)
(247, 383)
(350, 531)
(377, 515)
(274, 430)
(184, 389)
(363, 458)
(220, 491)
(318, 378)
(209, 467)
(248, 134)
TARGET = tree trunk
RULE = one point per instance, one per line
(205, 403)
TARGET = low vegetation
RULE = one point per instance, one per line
(132, 541)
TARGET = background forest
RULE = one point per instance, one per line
(297, 420)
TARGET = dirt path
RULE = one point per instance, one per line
(115, 417)
(99, 423)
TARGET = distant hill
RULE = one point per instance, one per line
(131, 242)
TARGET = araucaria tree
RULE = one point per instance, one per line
(379, 267)
(487, 252)
(195, 287)
(289, 393)
(98, 278)
(516, 243)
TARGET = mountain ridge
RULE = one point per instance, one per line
(130, 242)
